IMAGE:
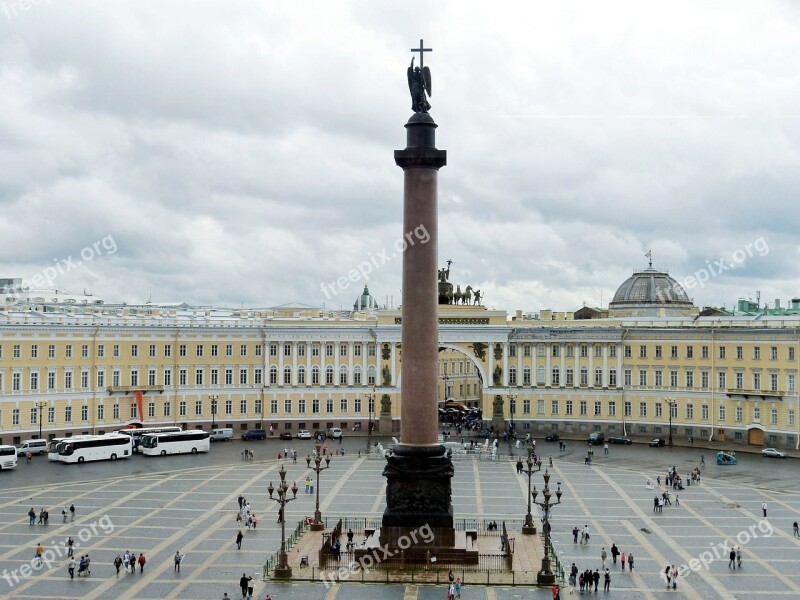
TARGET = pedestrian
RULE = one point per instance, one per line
(250, 591)
(622, 560)
(71, 567)
(70, 544)
(450, 577)
(64, 514)
(614, 553)
(239, 537)
(41, 517)
(630, 562)
(739, 557)
(38, 554)
(677, 500)
(117, 563)
(764, 508)
(32, 517)
(581, 581)
(674, 577)
(796, 529)
(142, 561)
(732, 559)
(29, 456)
(241, 501)
(127, 561)
(177, 558)
(457, 589)
(575, 532)
(596, 579)
(605, 451)
(308, 484)
(556, 591)
(46, 517)
(607, 581)
(585, 535)
(243, 583)
(603, 557)
(225, 596)
(668, 576)
(72, 512)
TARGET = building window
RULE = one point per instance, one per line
(167, 377)
(356, 375)
(182, 350)
(704, 412)
(315, 375)
(642, 409)
(556, 350)
(167, 350)
(182, 376)
(342, 375)
(228, 349)
(556, 374)
(314, 349)
(689, 379)
(642, 377)
(540, 406)
(182, 408)
(673, 378)
(659, 410)
(51, 351)
(540, 379)
(329, 375)
(228, 407)
(757, 413)
(554, 407)
(704, 380)
(790, 382)
(526, 350)
(287, 406)
(739, 353)
(739, 414)
(689, 352)
(722, 352)
(570, 351)
(214, 350)
(34, 380)
(68, 414)
(273, 349)
(612, 351)
(68, 380)
(583, 408)
(704, 351)
(628, 374)
(598, 377)
(773, 416)
(584, 377)
(328, 349)
(721, 412)
(757, 353)
(357, 406)
(512, 376)
(198, 377)
(756, 381)
(791, 416)
(273, 406)
(642, 351)
(612, 376)
(301, 406)
(598, 408)
(570, 380)
(658, 352)
(584, 351)
(659, 378)
(273, 375)
(690, 411)
(791, 354)
(151, 409)
(568, 408)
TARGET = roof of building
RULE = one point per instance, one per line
(650, 286)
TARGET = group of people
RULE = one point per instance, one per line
(454, 586)
(584, 533)
(44, 515)
(82, 564)
(584, 580)
(248, 454)
(616, 553)
(129, 561)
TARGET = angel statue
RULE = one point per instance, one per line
(419, 82)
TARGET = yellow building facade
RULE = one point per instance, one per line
(81, 369)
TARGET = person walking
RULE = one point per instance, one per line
(764, 508)
(575, 532)
(614, 553)
(630, 562)
(117, 563)
(796, 529)
(603, 557)
(142, 561)
(732, 559)
(596, 579)
(457, 589)
(243, 583)
(71, 567)
(739, 557)
(239, 538)
(177, 559)
(64, 515)
(668, 576)
(32, 517)
(674, 574)
(607, 581)
(70, 545)
(72, 512)
(622, 560)
(38, 555)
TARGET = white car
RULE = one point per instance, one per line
(304, 434)
(773, 453)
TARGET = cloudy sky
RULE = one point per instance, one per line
(241, 153)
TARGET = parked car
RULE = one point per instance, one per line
(657, 443)
(285, 435)
(551, 437)
(596, 438)
(334, 433)
(773, 453)
(255, 434)
(619, 440)
(304, 434)
(221, 435)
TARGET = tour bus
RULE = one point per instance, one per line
(8, 457)
(179, 442)
(136, 434)
(96, 447)
(53, 446)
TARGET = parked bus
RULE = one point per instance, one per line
(180, 442)
(8, 457)
(96, 447)
(136, 434)
(53, 446)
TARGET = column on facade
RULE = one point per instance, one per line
(393, 364)
(490, 374)
(520, 371)
(576, 352)
(605, 364)
(295, 377)
(280, 362)
(336, 352)
(505, 364)
(620, 374)
(548, 373)
(562, 352)
(350, 376)
(591, 365)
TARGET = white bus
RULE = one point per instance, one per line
(8, 457)
(96, 447)
(179, 442)
(53, 446)
(136, 434)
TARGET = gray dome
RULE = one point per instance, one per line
(365, 301)
(651, 286)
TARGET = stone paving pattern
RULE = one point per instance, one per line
(192, 508)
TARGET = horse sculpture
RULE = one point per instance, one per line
(457, 295)
(468, 295)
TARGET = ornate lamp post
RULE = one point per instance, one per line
(40, 405)
(671, 402)
(213, 399)
(529, 528)
(283, 570)
(545, 576)
(370, 410)
(318, 525)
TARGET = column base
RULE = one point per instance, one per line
(282, 573)
(528, 530)
(317, 526)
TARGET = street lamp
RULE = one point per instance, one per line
(546, 576)
(370, 410)
(40, 405)
(283, 570)
(671, 402)
(318, 525)
(213, 399)
(529, 528)
(512, 406)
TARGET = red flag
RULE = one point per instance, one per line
(139, 404)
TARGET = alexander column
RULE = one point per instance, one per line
(418, 489)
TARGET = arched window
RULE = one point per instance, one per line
(342, 375)
(329, 375)
(612, 377)
(371, 371)
(287, 375)
(273, 375)
(356, 375)
(570, 376)
(540, 379)
(598, 377)
(301, 375)
(584, 376)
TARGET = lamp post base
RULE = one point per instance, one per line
(317, 526)
(282, 572)
(528, 530)
(546, 576)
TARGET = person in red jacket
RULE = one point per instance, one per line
(142, 561)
